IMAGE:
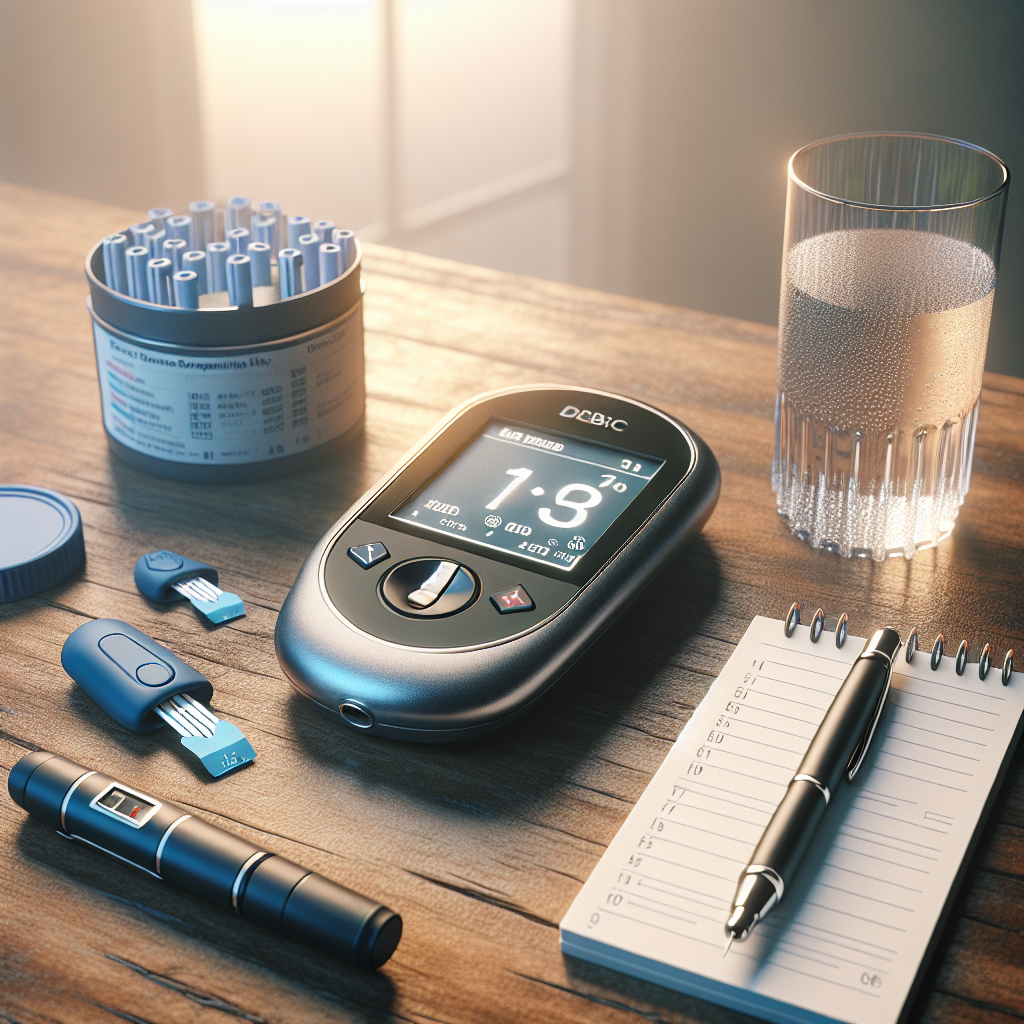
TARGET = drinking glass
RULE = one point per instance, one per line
(888, 273)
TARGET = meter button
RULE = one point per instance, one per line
(154, 673)
(515, 599)
(369, 555)
(428, 587)
(434, 586)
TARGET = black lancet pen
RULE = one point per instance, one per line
(839, 747)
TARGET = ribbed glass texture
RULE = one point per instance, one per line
(889, 268)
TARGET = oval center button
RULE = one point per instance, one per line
(429, 588)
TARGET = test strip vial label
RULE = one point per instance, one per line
(255, 404)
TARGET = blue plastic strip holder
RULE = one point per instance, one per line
(142, 685)
(157, 572)
(165, 576)
(128, 673)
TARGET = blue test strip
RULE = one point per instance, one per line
(216, 270)
(346, 241)
(330, 262)
(237, 213)
(186, 289)
(264, 229)
(239, 274)
(297, 227)
(158, 217)
(204, 223)
(196, 262)
(115, 271)
(135, 260)
(181, 226)
(289, 272)
(272, 211)
(140, 232)
(259, 258)
(155, 243)
(158, 280)
(174, 249)
(238, 239)
(310, 246)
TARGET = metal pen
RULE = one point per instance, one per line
(838, 748)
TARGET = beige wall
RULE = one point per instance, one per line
(632, 145)
(687, 111)
(98, 98)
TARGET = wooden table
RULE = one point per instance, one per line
(480, 846)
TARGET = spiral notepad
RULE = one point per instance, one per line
(852, 938)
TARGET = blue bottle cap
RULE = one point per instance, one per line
(40, 540)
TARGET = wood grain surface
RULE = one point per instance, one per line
(480, 846)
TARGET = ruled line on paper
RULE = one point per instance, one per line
(875, 879)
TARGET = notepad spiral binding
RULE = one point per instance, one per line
(817, 627)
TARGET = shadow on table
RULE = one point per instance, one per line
(635, 681)
(132, 956)
(277, 513)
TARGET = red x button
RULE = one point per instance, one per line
(515, 599)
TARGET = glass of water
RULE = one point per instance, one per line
(888, 273)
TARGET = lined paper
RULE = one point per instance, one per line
(850, 935)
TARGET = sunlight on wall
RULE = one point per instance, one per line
(437, 125)
(292, 105)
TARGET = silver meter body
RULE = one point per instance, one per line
(448, 599)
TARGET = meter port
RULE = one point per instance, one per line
(355, 714)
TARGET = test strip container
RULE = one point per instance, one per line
(226, 394)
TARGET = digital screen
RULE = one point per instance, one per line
(542, 495)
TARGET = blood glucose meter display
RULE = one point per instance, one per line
(541, 495)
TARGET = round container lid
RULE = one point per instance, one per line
(40, 540)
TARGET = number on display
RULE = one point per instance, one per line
(579, 515)
(518, 475)
(567, 497)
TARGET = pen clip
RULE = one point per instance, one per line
(861, 750)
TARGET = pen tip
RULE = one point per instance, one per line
(727, 946)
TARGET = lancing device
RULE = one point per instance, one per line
(167, 842)
(839, 747)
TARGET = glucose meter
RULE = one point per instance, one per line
(448, 599)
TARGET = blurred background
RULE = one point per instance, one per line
(636, 146)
